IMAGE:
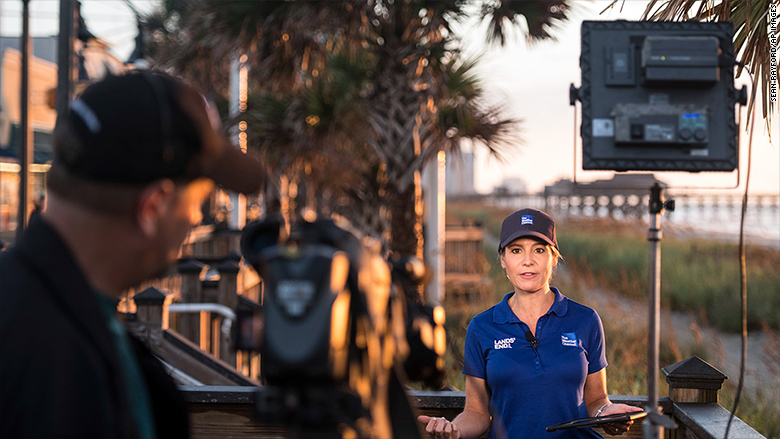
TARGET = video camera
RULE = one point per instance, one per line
(337, 334)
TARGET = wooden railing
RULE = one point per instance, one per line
(226, 412)
(203, 279)
(466, 282)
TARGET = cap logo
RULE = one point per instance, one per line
(527, 220)
(86, 114)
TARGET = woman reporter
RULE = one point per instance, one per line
(536, 358)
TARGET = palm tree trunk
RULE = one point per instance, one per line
(405, 208)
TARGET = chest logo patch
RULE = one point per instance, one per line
(503, 344)
(569, 339)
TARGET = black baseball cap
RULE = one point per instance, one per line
(528, 222)
(139, 127)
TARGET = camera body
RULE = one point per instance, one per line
(332, 332)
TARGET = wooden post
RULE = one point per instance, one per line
(191, 272)
(693, 380)
(235, 257)
(149, 319)
(209, 294)
(226, 295)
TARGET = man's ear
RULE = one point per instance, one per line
(152, 204)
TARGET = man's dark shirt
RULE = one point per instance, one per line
(60, 374)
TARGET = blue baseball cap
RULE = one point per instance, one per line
(528, 222)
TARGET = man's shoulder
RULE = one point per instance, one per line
(13, 266)
(20, 287)
(29, 302)
(9, 260)
(38, 270)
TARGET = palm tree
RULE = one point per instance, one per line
(406, 108)
(415, 48)
(751, 39)
(314, 136)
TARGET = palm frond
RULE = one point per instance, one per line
(467, 115)
(540, 17)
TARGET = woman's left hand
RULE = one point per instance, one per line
(618, 428)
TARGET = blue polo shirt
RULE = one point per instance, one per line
(533, 388)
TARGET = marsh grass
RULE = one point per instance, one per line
(697, 275)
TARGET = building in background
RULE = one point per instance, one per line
(94, 63)
(460, 174)
(515, 186)
(620, 184)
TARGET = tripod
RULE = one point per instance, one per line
(651, 428)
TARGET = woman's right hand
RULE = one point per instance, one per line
(440, 428)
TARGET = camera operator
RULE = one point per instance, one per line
(135, 157)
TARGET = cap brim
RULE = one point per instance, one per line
(525, 233)
(222, 160)
(237, 170)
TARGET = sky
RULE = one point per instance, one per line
(532, 82)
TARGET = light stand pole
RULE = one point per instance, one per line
(651, 427)
(238, 99)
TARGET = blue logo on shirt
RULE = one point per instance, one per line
(526, 220)
(569, 339)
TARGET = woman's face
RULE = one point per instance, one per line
(528, 264)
